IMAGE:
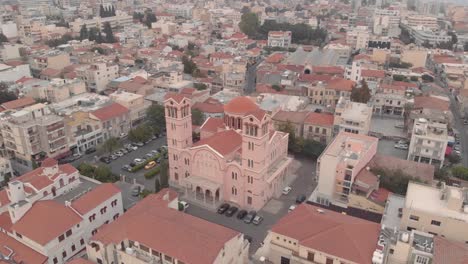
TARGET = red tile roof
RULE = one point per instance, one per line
(423, 171)
(380, 196)
(320, 119)
(23, 254)
(18, 103)
(224, 142)
(209, 106)
(184, 237)
(111, 111)
(176, 97)
(212, 124)
(446, 251)
(439, 59)
(240, 105)
(291, 116)
(334, 70)
(49, 162)
(53, 219)
(5, 221)
(97, 196)
(373, 73)
(346, 237)
(430, 102)
(50, 72)
(275, 58)
(39, 180)
(4, 200)
(340, 84)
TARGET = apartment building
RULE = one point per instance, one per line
(319, 127)
(6, 171)
(329, 93)
(440, 211)
(428, 142)
(280, 39)
(136, 104)
(98, 75)
(12, 73)
(358, 38)
(310, 234)
(33, 133)
(390, 99)
(420, 20)
(114, 119)
(59, 90)
(423, 34)
(174, 236)
(387, 22)
(339, 165)
(184, 11)
(83, 132)
(10, 51)
(121, 20)
(352, 117)
(53, 59)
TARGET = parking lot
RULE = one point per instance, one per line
(272, 211)
(387, 147)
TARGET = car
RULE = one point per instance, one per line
(126, 168)
(118, 153)
(287, 190)
(249, 217)
(113, 157)
(231, 211)
(154, 152)
(400, 125)
(223, 208)
(291, 208)
(150, 165)
(148, 141)
(138, 161)
(318, 110)
(241, 214)
(183, 206)
(124, 151)
(457, 152)
(140, 144)
(401, 146)
(300, 199)
(154, 137)
(403, 142)
(149, 155)
(257, 220)
(158, 160)
(105, 159)
(456, 147)
(90, 150)
(136, 191)
(123, 135)
(133, 147)
(132, 164)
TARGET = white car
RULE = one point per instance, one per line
(401, 146)
(287, 190)
(291, 208)
(183, 206)
(123, 135)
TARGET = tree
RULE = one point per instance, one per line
(293, 145)
(460, 172)
(140, 134)
(427, 78)
(312, 148)
(111, 145)
(99, 38)
(3, 38)
(200, 86)
(84, 32)
(249, 24)
(112, 11)
(276, 87)
(189, 65)
(104, 174)
(245, 10)
(109, 34)
(399, 78)
(6, 96)
(86, 169)
(453, 158)
(361, 94)
(138, 16)
(150, 18)
(395, 181)
(197, 117)
(156, 119)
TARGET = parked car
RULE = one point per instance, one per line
(287, 190)
(118, 153)
(257, 220)
(138, 160)
(114, 157)
(140, 144)
(105, 159)
(126, 168)
(249, 217)
(124, 151)
(291, 208)
(400, 125)
(300, 199)
(123, 135)
(183, 206)
(90, 150)
(231, 211)
(465, 122)
(241, 214)
(136, 191)
(149, 155)
(150, 165)
(223, 208)
(154, 152)
(401, 146)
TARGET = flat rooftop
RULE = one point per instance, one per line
(84, 187)
(390, 218)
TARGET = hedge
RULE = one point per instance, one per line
(150, 174)
(142, 165)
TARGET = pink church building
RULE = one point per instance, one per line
(240, 158)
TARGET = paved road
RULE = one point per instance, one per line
(272, 212)
(250, 77)
(116, 165)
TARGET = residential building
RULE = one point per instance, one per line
(339, 165)
(83, 132)
(135, 103)
(6, 171)
(428, 142)
(245, 163)
(280, 39)
(98, 75)
(59, 90)
(53, 59)
(390, 99)
(329, 93)
(121, 20)
(319, 127)
(358, 38)
(416, 56)
(184, 11)
(33, 133)
(352, 117)
(13, 73)
(420, 20)
(310, 234)
(174, 236)
(114, 119)
(10, 51)
(387, 22)
(422, 34)
(440, 211)
(293, 118)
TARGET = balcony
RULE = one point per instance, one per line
(144, 256)
(54, 127)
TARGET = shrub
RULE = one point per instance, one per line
(141, 166)
(460, 172)
(150, 174)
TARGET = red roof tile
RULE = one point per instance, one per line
(23, 253)
(212, 124)
(4, 200)
(224, 142)
(209, 106)
(446, 251)
(18, 103)
(53, 219)
(430, 102)
(176, 97)
(340, 84)
(290, 116)
(320, 119)
(5, 221)
(240, 105)
(373, 73)
(97, 196)
(334, 70)
(111, 111)
(39, 180)
(423, 171)
(50, 72)
(349, 238)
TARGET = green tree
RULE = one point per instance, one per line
(3, 38)
(150, 18)
(276, 87)
(99, 37)
(102, 12)
(245, 10)
(140, 134)
(197, 117)
(460, 172)
(104, 174)
(249, 24)
(189, 65)
(155, 117)
(200, 86)
(109, 34)
(86, 169)
(293, 146)
(111, 145)
(6, 96)
(84, 33)
(395, 181)
(312, 148)
(361, 94)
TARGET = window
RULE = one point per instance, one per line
(61, 238)
(249, 199)
(19, 235)
(329, 261)
(82, 241)
(422, 260)
(64, 254)
(55, 260)
(68, 233)
(168, 258)
(436, 223)
(285, 260)
(99, 261)
(155, 253)
(310, 256)
(414, 217)
(73, 248)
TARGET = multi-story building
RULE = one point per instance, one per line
(98, 75)
(119, 21)
(419, 20)
(310, 234)
(329, 93)
(58, 90)
(387, 22)
(12, 73)
(339, 165)
(440, 211)
(352, 117)
(54, 59)
(83, 132)
(280, 39)
(136, 104)
(319, 127)
(33, 133)
(245, 163)
(174, 236)
(6, 171)
(358, 38)
(423, 34)
(184, 11)
(390, 99)
(114, 119)
(428, 142)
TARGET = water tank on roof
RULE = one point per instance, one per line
(377, 257)
(405, 237)
(129, 251)
(422, 120)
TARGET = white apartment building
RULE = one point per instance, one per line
(352, 117)
(358, 37)
(184, 11)
(10, 51)
(280, 39)
(11, 74)
(121, 20)
(59, 90)
(6, 171)
(98, 75)
(387, 22)
(422, 34)
(428, 142)
(429, 22)
(136, 104)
